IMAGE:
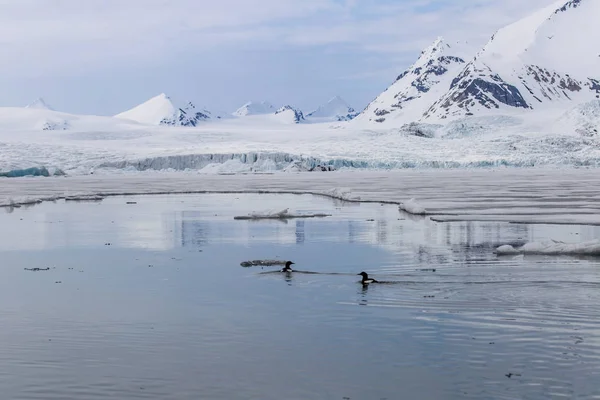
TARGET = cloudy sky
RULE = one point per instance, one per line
(105, 56)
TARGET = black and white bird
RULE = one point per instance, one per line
(287, 267)
(366, 280)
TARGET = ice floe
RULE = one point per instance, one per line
(412, 207)
(540, 195)
(553, 247)
(283, 214)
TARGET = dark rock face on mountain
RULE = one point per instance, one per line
(297, 115)
(417, 88)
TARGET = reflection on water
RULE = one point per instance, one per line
(154, 304)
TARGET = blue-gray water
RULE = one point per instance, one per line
(152, 303)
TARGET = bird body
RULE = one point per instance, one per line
(366, 280)
(287, 267)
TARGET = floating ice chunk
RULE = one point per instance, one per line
(342, 193)
(283, 214)
(412, 207)
(553, 247)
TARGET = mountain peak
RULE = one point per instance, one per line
(417, 87)
(568, 5)
(336, 109)
(254, 108)
(541, 61)
(39, 103)
(160, 110)
(290, 114)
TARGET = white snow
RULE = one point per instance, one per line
(39, 104)
(553, 247)
(254, 108)
(550, 59)
(289, 115)
(416, 89)
(336, 109)
(413, 207)
(160, 110)
(151, 112)
(565, 134)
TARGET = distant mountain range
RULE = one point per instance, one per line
(161, 110)
(543, 67)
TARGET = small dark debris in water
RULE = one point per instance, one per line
(150, 266)
(107, 244)
(70, 268)
(370, 220)
(492, 342)
(429, 297)
(510, 375)
(131, 202)
(264, 263)
(21, 219)
(345, 398)
(37, 269)
(427, 270)
(58, 282)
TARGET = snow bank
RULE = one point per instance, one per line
(283, 214)
(553, 247)
(412, 207)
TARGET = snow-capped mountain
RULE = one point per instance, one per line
(336, 109)
(254, 108)
(417, 88)
(160, 110)
(40, 104)
(549, 60)
(289, 114)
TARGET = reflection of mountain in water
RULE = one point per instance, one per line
(423, 241)
(190, 230)
(299, 231)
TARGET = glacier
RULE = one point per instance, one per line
(514, 103)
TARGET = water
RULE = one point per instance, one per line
(152, 303)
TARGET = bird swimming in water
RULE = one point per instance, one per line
(366, 280)
(287, 267)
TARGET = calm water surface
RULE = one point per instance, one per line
(149, 301)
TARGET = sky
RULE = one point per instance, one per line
(105, 56)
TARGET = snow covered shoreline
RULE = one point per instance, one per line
(551, 196)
